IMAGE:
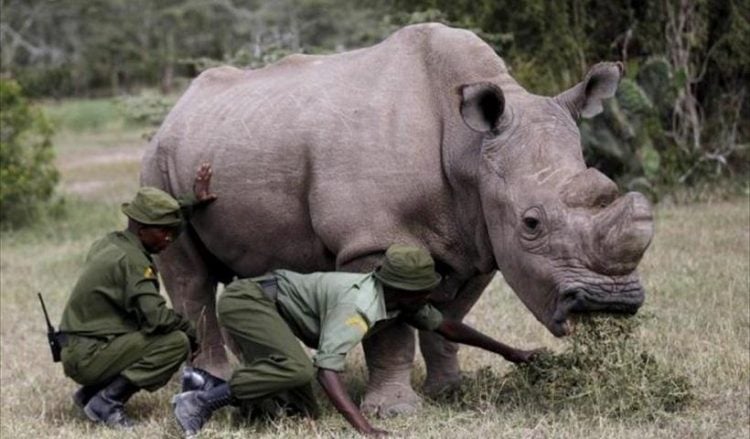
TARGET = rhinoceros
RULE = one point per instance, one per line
(322, 162)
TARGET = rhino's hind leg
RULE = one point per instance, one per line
(390, 355)
(191, 279)
(441, 355)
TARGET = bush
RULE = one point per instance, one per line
(27, 172)
(146, 109)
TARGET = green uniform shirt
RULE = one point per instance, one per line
(334, 311)
(118, 291)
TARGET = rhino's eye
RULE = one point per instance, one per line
(532, 221)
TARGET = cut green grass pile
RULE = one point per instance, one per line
(604, 371)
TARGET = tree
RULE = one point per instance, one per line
(27, 172)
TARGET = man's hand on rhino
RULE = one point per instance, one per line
(201, 186)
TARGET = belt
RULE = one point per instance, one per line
(64, 338)
(270, 287)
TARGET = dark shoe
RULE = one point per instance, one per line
(104, 410)
(108, 405)
(82, 396)
(194, 408)
(194, 378)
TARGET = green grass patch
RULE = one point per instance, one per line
(85, 115)
(604, 371)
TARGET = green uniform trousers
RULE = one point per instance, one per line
(274, 364)
(148, 361)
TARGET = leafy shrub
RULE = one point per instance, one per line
(628, 140)
(147, 109)
(27, 172)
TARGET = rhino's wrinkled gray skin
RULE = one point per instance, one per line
(322, 162)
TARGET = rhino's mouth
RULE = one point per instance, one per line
(624, 298)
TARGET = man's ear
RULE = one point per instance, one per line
(585, 98)
(482, 106)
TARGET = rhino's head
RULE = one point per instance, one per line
(564, 239)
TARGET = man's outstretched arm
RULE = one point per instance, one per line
(458, 332)
(331, 383)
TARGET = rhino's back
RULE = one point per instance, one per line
(336, 154)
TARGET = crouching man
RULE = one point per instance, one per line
(331, 312)
(117, 333)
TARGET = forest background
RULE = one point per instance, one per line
(681, 117)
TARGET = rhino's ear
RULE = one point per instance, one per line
(482, 106)
(585, 98)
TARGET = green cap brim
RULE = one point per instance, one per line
(134, 213)
(408, 286)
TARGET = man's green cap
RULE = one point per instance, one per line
(408, 268)
(153, 207)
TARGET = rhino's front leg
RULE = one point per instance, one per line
(192, 289)
(390, 355)
(440, 355)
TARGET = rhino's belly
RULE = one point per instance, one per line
(250, 242)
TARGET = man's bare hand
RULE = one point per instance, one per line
(201, 186)
(519, 356)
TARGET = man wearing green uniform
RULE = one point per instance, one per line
(331, 312)
(117, 333)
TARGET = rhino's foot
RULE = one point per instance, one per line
(389, 394)
(391, 400)
(442, 386)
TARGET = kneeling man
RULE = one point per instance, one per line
(331, 312)
(117, 334)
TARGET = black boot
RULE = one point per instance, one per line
(107, 406)
(82, 396)
(193, 409)
(194, 378)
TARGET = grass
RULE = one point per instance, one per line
(604, 371)
(698, 300)
(85, 115)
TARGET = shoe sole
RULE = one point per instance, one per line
(91, 415)
(94, 418)
(188, 434)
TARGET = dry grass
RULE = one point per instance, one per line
(696, 273)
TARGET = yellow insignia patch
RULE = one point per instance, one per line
(357, 322)
(149, 273)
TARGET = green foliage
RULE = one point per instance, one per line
(698, 90)
(628, 140)
(27, 171)
(146, 109)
